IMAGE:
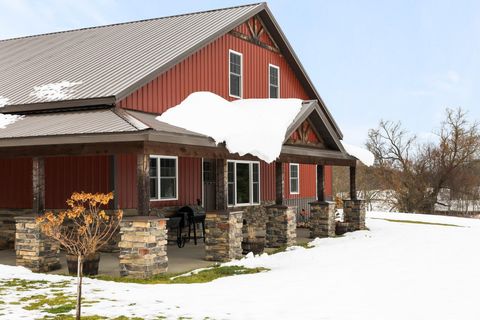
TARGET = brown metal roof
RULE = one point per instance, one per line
(68, 123)
(107, 61)
(101, 65)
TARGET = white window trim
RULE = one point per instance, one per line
(158, 157)
(251, 184)
(241, 74)
(278, 69)
(290, 177)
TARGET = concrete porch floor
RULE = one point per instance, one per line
(179, 259)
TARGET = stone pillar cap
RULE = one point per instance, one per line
(322, 203)
(143, 218)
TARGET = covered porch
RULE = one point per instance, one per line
(113, 133)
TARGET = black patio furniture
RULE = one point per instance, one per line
(195, 215)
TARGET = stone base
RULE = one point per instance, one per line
(143, 247)
(34, 250)
(223, 236)
(281, 226)
(354, 214)
(322, 219)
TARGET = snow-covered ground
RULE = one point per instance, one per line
(396, 270)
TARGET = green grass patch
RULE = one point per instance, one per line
(58, 304)
(70, 317)
(199, 277)
(421, 222)
(284, 248)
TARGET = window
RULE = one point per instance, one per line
(235, 74)
(294, 178)
(163, 178)
(274, 81)
(243, 183)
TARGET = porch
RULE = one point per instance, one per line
(180, 260)
(119, 134)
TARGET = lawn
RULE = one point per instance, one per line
(405, 267)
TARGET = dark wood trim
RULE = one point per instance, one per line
(221, 172)
(38, 185)
(279, 183)
(64, 104)
(253, 41)
(113, 179)
(320, 182)
(143, 184)
(353, 183)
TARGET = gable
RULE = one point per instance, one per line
(254, 31)
(306, 135)
(207, 70)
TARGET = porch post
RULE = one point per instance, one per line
(353, 183)
(143, 184)
(320, 182)
(221, 196)
(38, 184)
(279, 183)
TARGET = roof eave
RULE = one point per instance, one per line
(60, 104)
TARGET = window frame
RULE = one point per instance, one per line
(159, 177)
(230, 51)
(251, 183)
(269, 80)
(297, 178)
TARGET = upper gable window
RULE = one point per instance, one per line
(273, 81)
(235, 74)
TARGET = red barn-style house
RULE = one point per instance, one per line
(82, 108)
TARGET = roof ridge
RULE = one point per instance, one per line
(131, 22)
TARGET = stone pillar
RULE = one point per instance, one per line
(281, 226)
(143, 246)
(322, 219)
(34, 250)
(223, 235)
(354, 214)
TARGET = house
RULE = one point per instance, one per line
(82, 108)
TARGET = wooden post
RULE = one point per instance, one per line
(320, 182)
(221, 196)
(113, 180)
(279, 183)
(38, 185)
(143, 184)
(353, 183)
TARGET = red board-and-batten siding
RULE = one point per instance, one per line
(207, 70)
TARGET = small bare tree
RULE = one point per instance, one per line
(416, 173)
(82, 229)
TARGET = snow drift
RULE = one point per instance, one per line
(255, 126)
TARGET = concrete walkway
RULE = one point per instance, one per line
(180, 260)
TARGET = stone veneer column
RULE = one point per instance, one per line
(143, 246)
(281, 226)
(322, 219)
(223, 235)
(34, 250)
(354, 214)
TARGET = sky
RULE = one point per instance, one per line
(399, 60)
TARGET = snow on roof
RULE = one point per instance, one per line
(3, 101)
(55, 91)
(6, 119)
(365, 156)
(254, 126)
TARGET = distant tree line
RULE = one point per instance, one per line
(410, 175)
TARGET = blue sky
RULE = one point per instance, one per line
(396, 60)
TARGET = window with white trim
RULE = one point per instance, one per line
(294, 178)
(235, 74)
(243, 183)
(163, 178)
(273, 81)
